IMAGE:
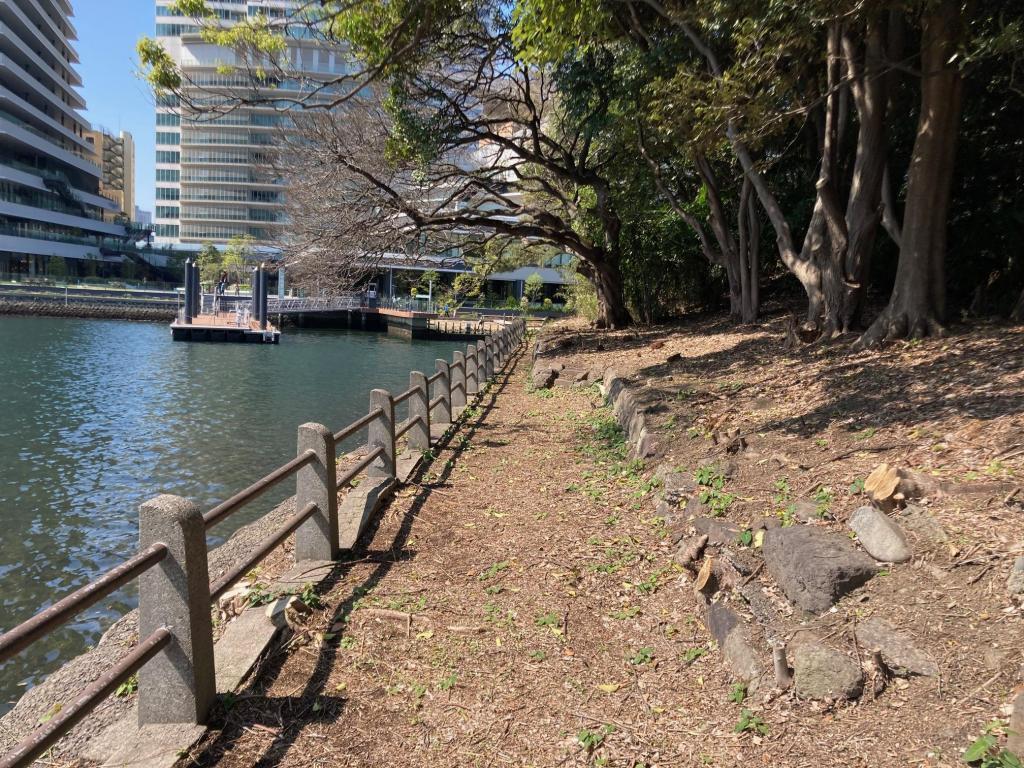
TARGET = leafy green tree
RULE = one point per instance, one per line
(467, 285)
(58, 267)
(533, 286)
(237, 256)
(210, 261)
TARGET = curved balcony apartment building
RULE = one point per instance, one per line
(214, 174)
(50, 204)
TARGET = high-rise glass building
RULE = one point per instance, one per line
(214, 174)
(50, 204)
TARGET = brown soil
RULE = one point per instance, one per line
(520, 605)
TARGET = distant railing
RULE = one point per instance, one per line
(288, 305)
(174, 659)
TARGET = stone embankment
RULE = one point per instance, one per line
(787, 561)
(47, 308)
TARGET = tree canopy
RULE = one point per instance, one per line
(678, 149)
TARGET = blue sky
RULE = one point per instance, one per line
(116, 98)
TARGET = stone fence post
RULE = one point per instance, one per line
(472, 371)
(317, 482)
(442, 412)
(380, 433)
(458, 370)
(178, 685)
(419, 406)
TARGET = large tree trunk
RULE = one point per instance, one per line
(918, 301)
(870, 88)
(611, 296)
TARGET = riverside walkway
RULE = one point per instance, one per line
(516, 605)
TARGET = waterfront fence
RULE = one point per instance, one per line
(174, 657)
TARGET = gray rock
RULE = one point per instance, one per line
(696, 508)
(768, 523)
(726, 467)
(646, 445)
(921, 525)
(898, 652)
(815, 568)
(881, 537)
(675, 485)
(720, 532)
(820, 673)
(1015, 584)
(544, 376)
(733, 638)
(805, 511)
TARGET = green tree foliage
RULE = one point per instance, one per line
(211, 263)
(533, 286)
(687, 152)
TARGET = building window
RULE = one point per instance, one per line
(168, 118)
(167, 193)
(167, 156)
(167, 211)
(167, 174)
(166, 137)
(175, 30)
(166, 230)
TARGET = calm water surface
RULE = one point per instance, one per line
(97, 416)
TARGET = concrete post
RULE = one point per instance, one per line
(458, 371)
(381, 433)
(492, 354)
(317, 482)
(472, 376)
(482, 372)
(178, 685)
(442, 412)
(419, 405)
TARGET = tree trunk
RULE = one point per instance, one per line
(918, 301)
(611, 296)
(1017, 314)
(863, 211)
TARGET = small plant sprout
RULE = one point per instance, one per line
(591, 740)
(737, 693)
(642, 656)
(751, 723)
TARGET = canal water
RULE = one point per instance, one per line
(97, 416)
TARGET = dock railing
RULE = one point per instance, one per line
(174, 657)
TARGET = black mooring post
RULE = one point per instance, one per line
(265, 281)
(254, 310)
(197, 291)
(188, 292)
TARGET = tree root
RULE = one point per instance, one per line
(893, 325)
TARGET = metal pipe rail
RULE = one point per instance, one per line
(44, 622)
(407, 425)
(72, 714)
(362, 464)
(267, 546)
(399, 399)
(358, 424)
(257, 489)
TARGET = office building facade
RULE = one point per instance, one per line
(50, 206)
(214, 174)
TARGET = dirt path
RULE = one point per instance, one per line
(520, 606)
